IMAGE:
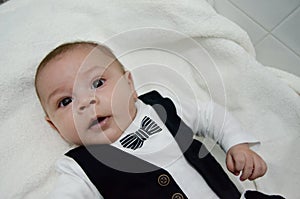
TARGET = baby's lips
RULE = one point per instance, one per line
(100, 122)
(96, 120)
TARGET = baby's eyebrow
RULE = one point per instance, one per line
(93, 69)
(54, 93)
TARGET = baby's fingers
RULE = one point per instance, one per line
(248, 169)
(230, 165)
(236, 163)
(260, 168)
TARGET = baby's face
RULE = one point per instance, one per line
(86, 101)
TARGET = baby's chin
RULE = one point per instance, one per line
(107, 137)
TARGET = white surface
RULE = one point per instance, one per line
(264, 104)
(289, 30)
(230, 11)
(268, 13)
(273, 26)
(270, 50)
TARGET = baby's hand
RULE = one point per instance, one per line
(241, 158)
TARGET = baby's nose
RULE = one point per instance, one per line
(86, 103)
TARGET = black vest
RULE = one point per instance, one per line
(117, 174)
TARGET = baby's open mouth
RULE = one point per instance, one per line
(98, 121)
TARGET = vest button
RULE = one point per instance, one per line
(163, 180)
(177, 196)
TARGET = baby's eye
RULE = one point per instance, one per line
(97, 83)
(64, 102)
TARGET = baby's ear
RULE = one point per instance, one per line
(51, 123)
(129, 78)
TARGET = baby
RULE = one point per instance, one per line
(133, 146)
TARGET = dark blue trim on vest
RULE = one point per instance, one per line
(130, 183)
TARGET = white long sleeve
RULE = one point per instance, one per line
(72, 182)
(213, 121)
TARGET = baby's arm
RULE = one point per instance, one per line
(72, 182)
(240, 158)
(212, 120)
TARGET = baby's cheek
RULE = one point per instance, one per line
(69, 131)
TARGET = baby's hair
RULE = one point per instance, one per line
(66, 47)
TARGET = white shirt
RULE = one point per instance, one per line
(162, 150)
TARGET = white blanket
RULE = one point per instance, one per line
(265, 105)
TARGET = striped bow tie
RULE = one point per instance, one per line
(136, 140)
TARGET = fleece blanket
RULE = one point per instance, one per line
(184, 47)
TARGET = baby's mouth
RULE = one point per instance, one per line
(97, 122)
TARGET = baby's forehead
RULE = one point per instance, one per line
(84, 48)
(98, 55)
(86, 56)
(90, 53)
(83, 57)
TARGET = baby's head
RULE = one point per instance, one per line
(85, 92)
